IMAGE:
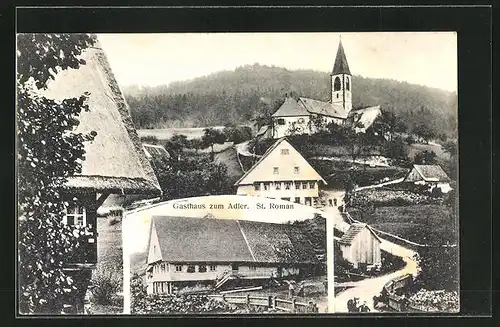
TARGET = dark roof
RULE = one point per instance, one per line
(341, 66)
(354, 230)
(155, 151)
(432, 173)
(323, 108)
(185, 239)
(290, 108)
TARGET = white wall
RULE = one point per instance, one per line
(283, 130)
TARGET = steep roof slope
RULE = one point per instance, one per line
(115, 160)
(429, 173)
(340, 66)
(323, 108)
(353, 231)
(290, 108)
(263, 169)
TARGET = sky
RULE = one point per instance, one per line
(425, 58)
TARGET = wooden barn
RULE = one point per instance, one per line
(361, 246)
(185, 251)
(432, 175)
(114, 161)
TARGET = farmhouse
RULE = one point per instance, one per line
(282, 173)
(186, 251)
(308, 116)
(432, 175)
(114, 161)
(361, 246)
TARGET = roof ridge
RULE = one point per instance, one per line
(246, 240)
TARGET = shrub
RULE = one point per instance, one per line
(104, 286)
(114, 221)
(151, 139)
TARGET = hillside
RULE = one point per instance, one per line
(238, 96)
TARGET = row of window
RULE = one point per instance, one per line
(163, 267)
(287, 185)
(276, 170)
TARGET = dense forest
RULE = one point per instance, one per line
(241, 95)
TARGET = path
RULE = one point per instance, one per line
(366, 289)
(395, 181)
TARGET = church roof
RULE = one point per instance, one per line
(290, 108)
(323, 108)
(341, 66)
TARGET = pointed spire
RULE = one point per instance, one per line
(341, 66)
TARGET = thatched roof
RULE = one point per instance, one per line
(115, 160)
(184, 239)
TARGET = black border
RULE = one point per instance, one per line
(473, 25)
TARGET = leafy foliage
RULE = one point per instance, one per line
(438, 269)
(48, 152)
(105, 284)
(210, 137)
(425, 158)
(191, 176)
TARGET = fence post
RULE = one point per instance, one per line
(293, 305)
(224, 297)
(274, 302)
(270, 301)
(248, 298)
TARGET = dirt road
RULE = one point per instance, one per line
(366, 289)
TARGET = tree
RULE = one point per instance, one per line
(384, 124)
(210, 137)
(396, 149)
(48, 152)
(424, 132)
(425, 158)
(451, 148)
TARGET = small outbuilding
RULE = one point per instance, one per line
(432, 175)
(361, 246)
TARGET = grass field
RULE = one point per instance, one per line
(418, 223)
(419, 147)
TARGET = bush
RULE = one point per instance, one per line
(105, 284)
(114, 221)
(151, 139)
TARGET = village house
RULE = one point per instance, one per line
(432, 175)
(282, 173)
(308, 116)
(361, 246)
(114, 161)
(185, 251)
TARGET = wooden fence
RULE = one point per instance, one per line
(271, 302)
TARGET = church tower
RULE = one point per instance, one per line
(341, 80)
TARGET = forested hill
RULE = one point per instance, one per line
(238, 96)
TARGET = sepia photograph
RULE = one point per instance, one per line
(237, 173)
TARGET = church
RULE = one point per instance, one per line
(308, 116)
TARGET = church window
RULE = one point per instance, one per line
(347, 84)
(336, 84)
(337, 95)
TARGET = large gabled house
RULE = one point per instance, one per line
(282, 173)
(114, 161)
(308, 116)
(185, 251)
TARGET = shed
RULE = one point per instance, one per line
(432, 175)
(361, 246)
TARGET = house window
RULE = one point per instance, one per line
(336, 84)
(335, 202)
(275, 170)
(202, 268)
(213, 268)
(257, 186)
(287, 185)
(178, 268)
(297, 200)
(191, 269)
(295, 170)
(285, 151)
(311, 184)
(304, 185)
(281, 121)
(75, 215)
(297, 186)
(162, 267)
(278, 185)
(266, 186)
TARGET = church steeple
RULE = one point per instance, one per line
(341, 82)
(341, 66)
